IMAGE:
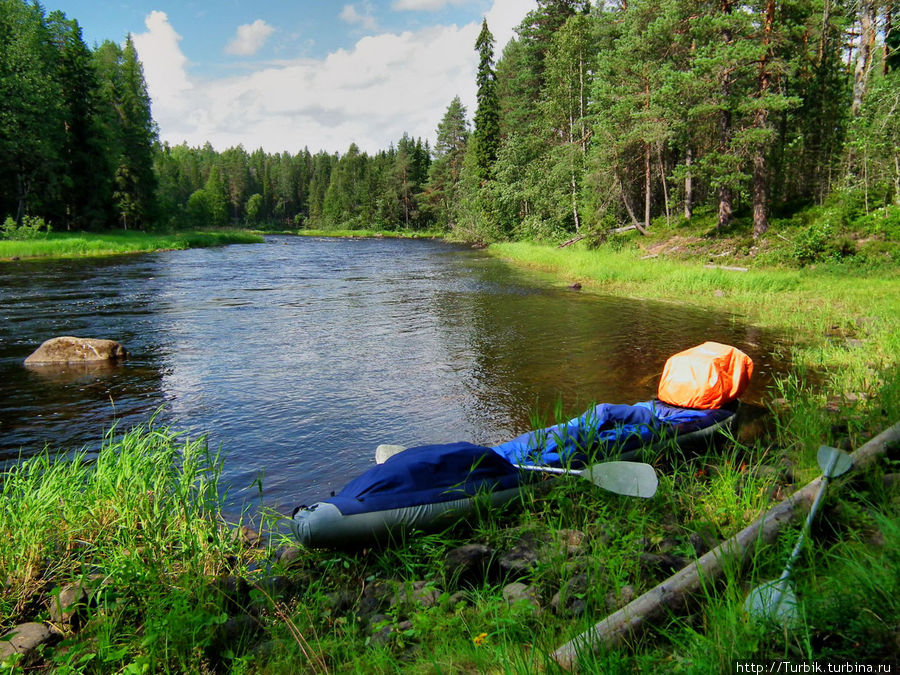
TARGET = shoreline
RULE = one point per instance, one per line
(77, 245)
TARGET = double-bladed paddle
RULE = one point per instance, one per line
(633, 479)
(775, 600)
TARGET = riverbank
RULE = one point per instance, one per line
(159, 584)
(87, 244)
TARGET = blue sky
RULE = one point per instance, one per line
(286, 75)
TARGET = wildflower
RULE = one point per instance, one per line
(480, 639)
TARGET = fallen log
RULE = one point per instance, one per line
(572, 241)
(674, 591)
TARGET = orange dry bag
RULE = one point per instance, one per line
(707, 376)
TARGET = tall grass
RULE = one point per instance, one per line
(74, 245)
(138, 525)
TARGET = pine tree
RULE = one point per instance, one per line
(445, 170)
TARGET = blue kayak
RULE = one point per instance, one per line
(426, 487)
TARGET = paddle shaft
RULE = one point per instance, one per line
(781, 584)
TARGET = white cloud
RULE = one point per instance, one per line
(371, 94)
(164, 63)
(364, 19)
(427, 5)
(250, 38)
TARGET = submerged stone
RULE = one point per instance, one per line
(68, 350)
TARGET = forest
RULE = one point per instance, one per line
(595, 116)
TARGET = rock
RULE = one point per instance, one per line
(235, 589)
(246, 536)
(67, 350)
(663, 562)
(376, 597)
(65, 606)
(520, 559)
(617, 600)
(471, 564)
(24, 639)
(570, 541)
(517, 592)
(567, 599)
(237, 629)
(290, 556)
(702, 544)
(891, 481)
(419, 593)
(386, 633)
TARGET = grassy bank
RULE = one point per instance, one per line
(83, 244)
(127, 559)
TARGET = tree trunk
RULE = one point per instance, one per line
(888, 27)
(726, 197)
(689, 185)
(575, 203)
(648, 176)
(760, 172)
(662, 177)
(863, 54)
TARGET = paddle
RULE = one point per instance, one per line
(633, 479)
(775, 600)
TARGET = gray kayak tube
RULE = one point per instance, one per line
(322, 525)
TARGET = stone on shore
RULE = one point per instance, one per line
(75, 350)
(24, 639)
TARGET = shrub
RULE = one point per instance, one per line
(32, 227)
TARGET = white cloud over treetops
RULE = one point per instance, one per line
(250, 38)
(387, 84)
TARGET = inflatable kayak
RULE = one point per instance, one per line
(425, 487)
(418, 489)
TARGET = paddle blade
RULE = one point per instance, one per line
(634, 479)
(773, 601)
(384, 452)
(842, 461)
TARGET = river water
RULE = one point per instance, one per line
(299, 356)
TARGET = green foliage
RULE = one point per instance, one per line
(32, 227)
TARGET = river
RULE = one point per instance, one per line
(299, 356)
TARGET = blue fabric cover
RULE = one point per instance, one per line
(605, 430)
(427, 474)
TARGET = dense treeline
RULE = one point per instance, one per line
(199, 186)
(624, 114)
(76, 135)
(593, 116)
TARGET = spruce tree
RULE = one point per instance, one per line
(87, 189)
(486, 136)
(31, 117)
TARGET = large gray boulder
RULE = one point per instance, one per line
(72, 350)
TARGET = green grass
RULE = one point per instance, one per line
(137, 525)
(82, 244)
